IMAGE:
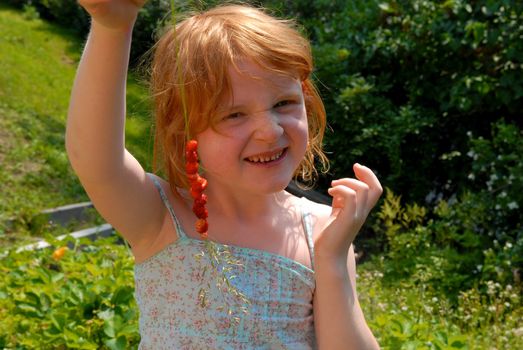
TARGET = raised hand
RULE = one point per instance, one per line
(113, 14)
(352, 201)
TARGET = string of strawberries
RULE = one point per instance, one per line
(198, 185)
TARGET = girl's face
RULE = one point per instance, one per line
(261, 134)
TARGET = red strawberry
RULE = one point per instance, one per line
(202, 226)
(192, 177)
(192, 145)
(191, 168)
(201, 200)
(195, 193)
(199, 185)
(191, 156)
(200, 211)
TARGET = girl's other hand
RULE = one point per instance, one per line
(352, 201)
(113, 14)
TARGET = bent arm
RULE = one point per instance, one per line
(95, 141)
(338, 319)
(95, 138)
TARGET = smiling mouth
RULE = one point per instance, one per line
(266, 157)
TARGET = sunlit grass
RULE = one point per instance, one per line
(37, 66)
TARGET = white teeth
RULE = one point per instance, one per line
(257, 159)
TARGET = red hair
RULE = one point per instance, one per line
(189, 77)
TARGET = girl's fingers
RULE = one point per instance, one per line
(344, 202)
(366, 175)
(352, 200)
(361, 189)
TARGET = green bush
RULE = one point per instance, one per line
(81, 300)
(404, 81)
(488, 219)
(407, 314)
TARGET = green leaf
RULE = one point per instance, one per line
(458, 342)
(109, 328)
(57, 277)
(122, 295)
(58, 321)
(117, 344)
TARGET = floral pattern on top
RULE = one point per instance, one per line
(279, 291)
(185, 303)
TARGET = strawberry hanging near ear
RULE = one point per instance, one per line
(198, 185)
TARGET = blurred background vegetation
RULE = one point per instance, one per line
(427, 93)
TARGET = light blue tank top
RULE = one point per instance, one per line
(183, 306)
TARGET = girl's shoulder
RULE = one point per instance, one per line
(175, 212)
(319, 213)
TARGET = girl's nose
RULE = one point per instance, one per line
(267, 127)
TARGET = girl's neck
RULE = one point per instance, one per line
(244, 206)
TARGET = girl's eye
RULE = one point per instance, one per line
(232, 116)
(283, 103)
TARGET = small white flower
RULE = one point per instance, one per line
(492, 308)
(502, 194)
(471, 176)
(513, 205)
(435, 299)
(497, 207)
(404, 308)
(508, 245)
(479, 267)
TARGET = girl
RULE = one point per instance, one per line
(238, 82)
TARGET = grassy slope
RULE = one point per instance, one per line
(37, 68)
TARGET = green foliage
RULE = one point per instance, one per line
(404, 81)
(83, 300)
(407, 314)
(451, 248)
(411, 248)
(487, 222)
(465, 252)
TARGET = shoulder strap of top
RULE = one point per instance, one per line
(307, 224)
(176, 223)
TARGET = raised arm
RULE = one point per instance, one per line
(95, 140)
(338, 318)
